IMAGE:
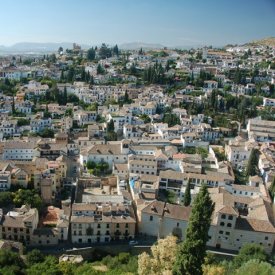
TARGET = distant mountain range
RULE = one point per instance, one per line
(24, 47)
(138, 45)
(38, 47)
(269, 41)
(32, 47)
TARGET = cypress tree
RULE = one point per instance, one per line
(110, 126)
(252, 165)
(65, 96)
(187, 195)
(13, 106)
(272, 189)
(192, 251)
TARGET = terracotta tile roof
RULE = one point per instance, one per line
(254, 225)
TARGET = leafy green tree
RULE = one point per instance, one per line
(91, 54)
(249, 252)
(47, 133)
(35, 256)
(145, 118)
(161, 259)
(255, 267)
(171, 119)
(192, 251)
(91, 164)
(48, 266)
(252, 165)
(72, 98)
(6, 199)
(29, 197)
(154, 74)
(23, 122)
(187, 194)
(69, 112)
(104, 51)
(10, 263)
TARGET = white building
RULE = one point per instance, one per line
(19, 150)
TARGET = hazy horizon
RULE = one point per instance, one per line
(169, 23)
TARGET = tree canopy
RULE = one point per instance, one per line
(192, 251)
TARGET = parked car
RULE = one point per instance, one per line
(133, 242)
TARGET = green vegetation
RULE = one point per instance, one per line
(252, 165)
(22, 122)
(29, 197)
(46, 133)
(6, 198)
(271, 189)
(192, 251)
(187, 194)
(37, 263)
(97, 168)
(155, 75)
(111, 134)
(196, 150)
(163, 258)
(249, 252)
(145, 118)
(168, 196)
(91, 54)
(171, 119)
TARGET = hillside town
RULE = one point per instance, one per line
(111, 146)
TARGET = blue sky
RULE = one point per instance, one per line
(168, 22)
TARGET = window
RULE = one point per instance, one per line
(107, 225)
(227, 233)
(223, 216)
(151, 218)
(220, 232)
(266, 238)
(178, 224)
(117, 225)
(230, 217)
(229, 225)
(222, 224)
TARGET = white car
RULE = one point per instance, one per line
(133, 242)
